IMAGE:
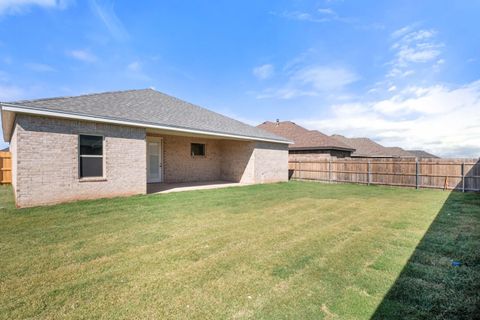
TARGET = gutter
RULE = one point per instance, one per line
(78, 116)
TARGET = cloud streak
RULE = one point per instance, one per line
(320, 15)
(312, 80)
(23, 6)
(263, 72)
(82, 55)
(414, 47)
(104, 10)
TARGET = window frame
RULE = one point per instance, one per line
(204, 150)
(79, 156)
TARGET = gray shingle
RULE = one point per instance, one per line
(148, 106)
(303, 138)
(422, 154)
(366, 147)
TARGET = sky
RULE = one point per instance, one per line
(404, 73)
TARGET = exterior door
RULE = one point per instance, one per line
(154, 161)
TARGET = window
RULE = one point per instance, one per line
(91, 156)
(197, 149)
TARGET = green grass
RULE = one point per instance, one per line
(294, 250)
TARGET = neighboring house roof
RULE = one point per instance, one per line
(303, 138)
(145, 108)
(422, 154)
(399, 152)
(5, 150)
(365, 147)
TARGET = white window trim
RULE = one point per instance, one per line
(103, 177)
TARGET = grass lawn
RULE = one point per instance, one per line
(293, 250)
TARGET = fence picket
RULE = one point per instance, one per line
(5, 168)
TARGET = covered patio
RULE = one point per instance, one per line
(197, 160)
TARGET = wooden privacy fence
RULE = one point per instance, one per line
(5, 167)
(452, 174)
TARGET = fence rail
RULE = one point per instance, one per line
(451, 174)
(5, 167)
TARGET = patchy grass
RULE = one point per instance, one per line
(294, 250)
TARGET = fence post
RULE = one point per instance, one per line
(330, 170)
(463, 176)
(300, 174)
(416, 174)
(369, 172)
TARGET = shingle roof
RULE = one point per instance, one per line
(363, 146)
(303, 138)
(366, 147)
(399, 152)
(5, 150)
(148, 106)
(422, 154)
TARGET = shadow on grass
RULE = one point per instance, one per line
(429, 286)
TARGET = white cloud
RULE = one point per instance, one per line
(312, 80)
(135, 66)
(439, 119)
(320, 15)
(104, 10)
(402, 31)
(327, 15)
(324, 78)
(326, 11)
(264, 71)
(135, 71)
(298, 15)
(22, 6)
(413, 47)
(82, 55)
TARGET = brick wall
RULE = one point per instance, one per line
(46, 167)
(271, 162)
(238, 162)
(180, 166)
(229, 160)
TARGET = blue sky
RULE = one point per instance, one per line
(404, 73)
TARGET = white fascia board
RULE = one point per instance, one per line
(68, 115)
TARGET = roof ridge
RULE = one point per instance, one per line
(81, 95)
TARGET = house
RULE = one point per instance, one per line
(4, 150)
(307, 144)
(367, 148)
(114, 143)
(421, 154)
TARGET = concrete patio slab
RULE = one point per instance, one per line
(188, 186)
